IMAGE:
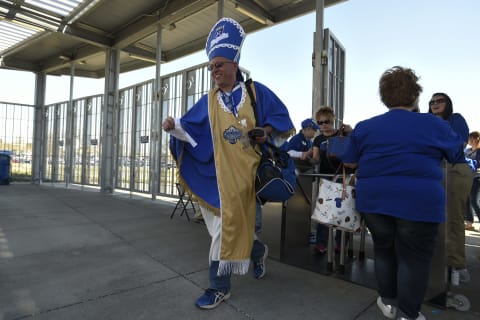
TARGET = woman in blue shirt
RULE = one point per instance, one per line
(459, 184)
(399, 190)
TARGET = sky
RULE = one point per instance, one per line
(436, 38)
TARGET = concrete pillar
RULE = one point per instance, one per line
(109, 109)
(38, 164)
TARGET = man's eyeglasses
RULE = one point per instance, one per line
(323, 122)
(219, 64)
(436, 101)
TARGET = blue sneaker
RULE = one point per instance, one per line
(211, 299)
(259, 268)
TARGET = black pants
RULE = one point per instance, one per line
(403, 252)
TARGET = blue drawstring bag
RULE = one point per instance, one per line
(276, 179)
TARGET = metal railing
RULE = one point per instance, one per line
(134, 134)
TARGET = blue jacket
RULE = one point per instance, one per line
(399, 157)
(299, 143)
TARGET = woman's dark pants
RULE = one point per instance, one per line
(403, 252)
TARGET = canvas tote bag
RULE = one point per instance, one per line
(335, 203)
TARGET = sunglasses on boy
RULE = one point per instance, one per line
(323, 122)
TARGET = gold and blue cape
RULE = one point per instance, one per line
(220, 170)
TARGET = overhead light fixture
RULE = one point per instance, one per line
(134, 56)
(253, 14)
(171, 26)
(65, 58)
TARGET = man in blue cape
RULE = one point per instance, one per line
(217, 163)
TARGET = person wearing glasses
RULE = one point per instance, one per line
(326, 165)
(473, 156)
(399, 190)
(217, 162)
(459, 183)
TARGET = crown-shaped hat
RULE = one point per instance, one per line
(225, 40)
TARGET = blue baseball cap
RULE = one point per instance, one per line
(309, 123)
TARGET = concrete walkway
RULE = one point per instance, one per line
(73, 254)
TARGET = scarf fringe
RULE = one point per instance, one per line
(226, 267)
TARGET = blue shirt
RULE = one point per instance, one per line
(299, 143)
(399, 157)
(459, 125)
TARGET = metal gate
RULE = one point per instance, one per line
(134, 127)
(54, 143)
(334, 75)
(86, 140)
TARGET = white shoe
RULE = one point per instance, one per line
(419, 317)
(388, 310)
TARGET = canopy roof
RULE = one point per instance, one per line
(48, 35)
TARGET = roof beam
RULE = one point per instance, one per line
(88, 36)
(18, 64)
(300, 8)
(186, 49)
(254, 11)
(66, 71)
(55, 62)
(141, 54)
(146, 26)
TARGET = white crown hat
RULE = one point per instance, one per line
(225, 40)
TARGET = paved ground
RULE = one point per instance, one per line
(73, 254)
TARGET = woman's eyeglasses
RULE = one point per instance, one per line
(436, 101)
(323, 122)
(219, 64)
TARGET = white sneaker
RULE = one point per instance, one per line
(388, 310)
(419, 317)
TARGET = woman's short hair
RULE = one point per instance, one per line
(326, 112)
(399, 87)
(447, 112)
(475, 135)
